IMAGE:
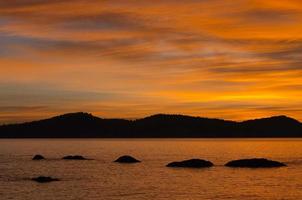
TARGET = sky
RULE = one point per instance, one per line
(235, 60)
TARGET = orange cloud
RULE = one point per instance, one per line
(127, 58)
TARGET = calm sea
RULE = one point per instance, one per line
(103, 179)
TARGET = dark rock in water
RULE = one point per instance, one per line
(44, 179)
(77, 157)
(193, 163)
(127, 159)
(255, 163)
(38, 157)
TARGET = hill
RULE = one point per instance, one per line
(84, 125)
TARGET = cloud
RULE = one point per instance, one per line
(31, 93)
(104, 21)
(25, 3)
(112, 57)
(258, 69)
(268, 16)
(22, 108)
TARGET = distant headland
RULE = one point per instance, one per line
(85, 125)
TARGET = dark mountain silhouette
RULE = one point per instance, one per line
(84, 125)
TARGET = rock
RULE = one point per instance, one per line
(255, 163)
(38, 157)
(127, 159)
(44, 179)
(76, 157)
(193, 163)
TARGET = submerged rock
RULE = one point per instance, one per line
(44, 179)
(192, 163)
(255, 163)
(38, 157)
(126, 159)
(76, 157)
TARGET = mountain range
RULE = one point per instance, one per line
(85, 125)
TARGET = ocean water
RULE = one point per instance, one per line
(101, 178)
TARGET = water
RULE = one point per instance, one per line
(103, 179)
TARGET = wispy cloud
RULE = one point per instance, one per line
(133, 58)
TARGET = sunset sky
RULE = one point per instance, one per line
(235, 60)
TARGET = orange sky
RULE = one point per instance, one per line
(131, 58)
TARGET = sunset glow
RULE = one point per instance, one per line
(131, 58)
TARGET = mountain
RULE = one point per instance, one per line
(84, 125)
